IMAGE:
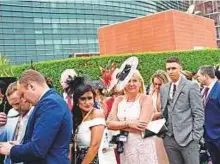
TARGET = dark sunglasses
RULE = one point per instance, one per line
(86, 98)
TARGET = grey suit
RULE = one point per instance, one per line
(187, 122)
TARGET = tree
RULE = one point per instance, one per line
(5, 67)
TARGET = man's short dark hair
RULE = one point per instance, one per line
(173, 59)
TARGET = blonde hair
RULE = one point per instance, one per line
(188, 75)
(162, 75)
(142, 88)
(11, 89)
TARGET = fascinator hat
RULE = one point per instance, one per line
(126, 71)
(108, 77)
(119, 77)
(78, 85)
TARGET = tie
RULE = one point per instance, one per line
(69, 102)
(174, 89)
(206, 90)
(16, 132)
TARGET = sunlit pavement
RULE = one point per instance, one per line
(107, 157)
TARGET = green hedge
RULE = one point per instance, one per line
(148, 63)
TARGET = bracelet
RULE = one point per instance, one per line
(124, 124)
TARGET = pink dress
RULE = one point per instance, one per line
(136, 150)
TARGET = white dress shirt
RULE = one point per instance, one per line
(23, 125)
(171, 87)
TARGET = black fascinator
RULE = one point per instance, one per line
(77, 86)
(74, 82)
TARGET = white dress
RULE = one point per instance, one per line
(136, 150)
(83, 136)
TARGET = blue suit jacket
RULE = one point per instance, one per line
(48, 133)
(7, 132)
(212, 113)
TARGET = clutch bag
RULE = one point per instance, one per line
(156, 127)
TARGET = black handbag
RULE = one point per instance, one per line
(149, 132)
(80, 155)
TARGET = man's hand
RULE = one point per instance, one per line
(14, 142)
(3, 119)
(5, 148)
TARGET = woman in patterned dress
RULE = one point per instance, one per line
(131, 113)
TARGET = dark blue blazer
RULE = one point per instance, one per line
(48, 133)
(212, 113)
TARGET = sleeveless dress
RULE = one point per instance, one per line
(83, 138)
(136, 150)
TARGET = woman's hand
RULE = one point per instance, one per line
(137, 125)
(157, 115)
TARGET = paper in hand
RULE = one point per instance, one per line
(156, 125)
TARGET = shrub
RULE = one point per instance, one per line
(5, 67)
(148, 63)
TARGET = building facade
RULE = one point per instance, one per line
(170, 30)
(210, 9)
(55, 29)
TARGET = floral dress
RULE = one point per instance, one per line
(136, 150)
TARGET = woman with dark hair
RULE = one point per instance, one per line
(89, 122)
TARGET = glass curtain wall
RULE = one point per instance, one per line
(56, 29)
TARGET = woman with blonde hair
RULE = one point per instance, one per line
(130, 114)
(158, 79)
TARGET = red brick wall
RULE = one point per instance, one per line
(165, 31)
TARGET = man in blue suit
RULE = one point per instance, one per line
(48, 132)
(211, 100)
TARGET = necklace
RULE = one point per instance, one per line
(131, 105)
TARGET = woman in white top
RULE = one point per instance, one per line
(158, 79)
(89, 122)
(131, 113)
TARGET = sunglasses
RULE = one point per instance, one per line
(86, 98)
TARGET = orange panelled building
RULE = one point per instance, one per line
(165, 31)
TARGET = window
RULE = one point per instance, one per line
(38, 42)
(208, 7)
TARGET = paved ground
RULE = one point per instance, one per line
(108, 157)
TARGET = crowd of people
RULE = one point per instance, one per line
(167, 122)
